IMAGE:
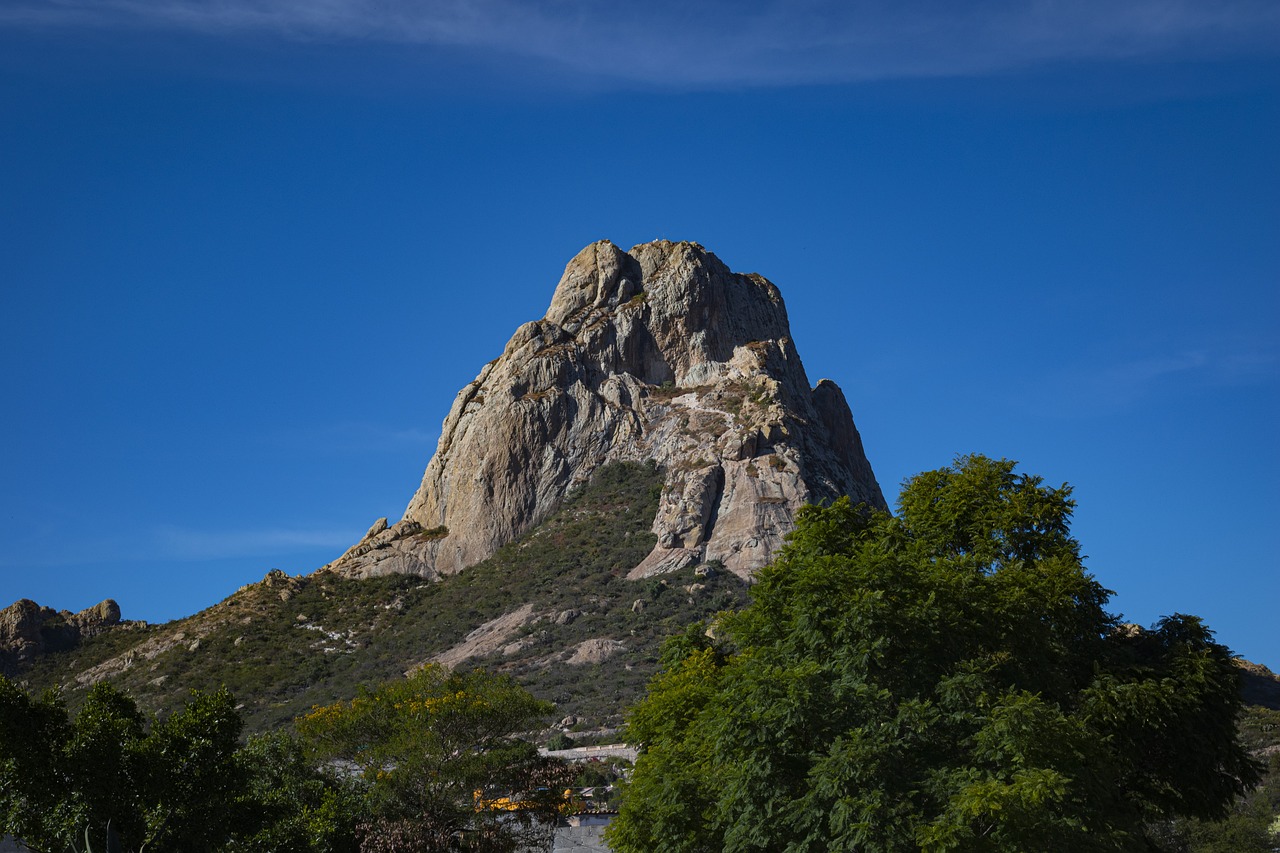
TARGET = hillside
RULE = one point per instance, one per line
(554, 609)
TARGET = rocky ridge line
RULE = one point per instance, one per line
(28, 630)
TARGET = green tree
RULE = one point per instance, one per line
(104, 776)
(181, 785)
(288, 806)
(33, 780)
(103, 765)
(946, 679)
(1254, 823)
(190, 777)
(445, 767)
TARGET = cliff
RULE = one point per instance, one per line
(658, 354)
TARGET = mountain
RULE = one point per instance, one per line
(614, 476)
(662, 355)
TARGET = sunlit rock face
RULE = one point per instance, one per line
(658, 354)
(28, 630)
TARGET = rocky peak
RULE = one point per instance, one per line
(658, 354)
(28, 630)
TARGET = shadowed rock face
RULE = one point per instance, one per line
(662, 354)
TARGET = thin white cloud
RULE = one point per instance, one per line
(1141, 373)
(719, 43)
(1104, 389)
(175, 544)
(185, 544)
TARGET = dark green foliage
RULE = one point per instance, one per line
(104, 775)
(33, 774)
(107, 780)
(191, 778)
(559, 741)
(443, 763)
(434, 533)
(366, 631)
(105, 755)
(597, 784)
(945, 680)
(1253, 826)
(289, 806)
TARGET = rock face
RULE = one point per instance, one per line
(659, 354)
(28, 630)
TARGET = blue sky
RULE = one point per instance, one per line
(251, 250)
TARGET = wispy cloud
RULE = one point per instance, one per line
(178, 543)
(1119, 385)
(720, 43)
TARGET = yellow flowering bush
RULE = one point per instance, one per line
(425, 745)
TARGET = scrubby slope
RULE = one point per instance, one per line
(573, 631)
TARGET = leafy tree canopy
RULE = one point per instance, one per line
(109, 779)
(946, 679)
(443, 758)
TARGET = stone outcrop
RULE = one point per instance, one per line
(28, 630)
(1259, 685)
(660, 353)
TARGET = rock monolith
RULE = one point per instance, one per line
(660, 354)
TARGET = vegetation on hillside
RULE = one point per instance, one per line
(286, 644)
(947, 679)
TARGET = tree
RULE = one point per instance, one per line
(103, 761)
(1252, 826)
(288, 806)
(444, 765)
(946, 679)
(191, 777)
(181, 784)
(104, 775)
(32, 773)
